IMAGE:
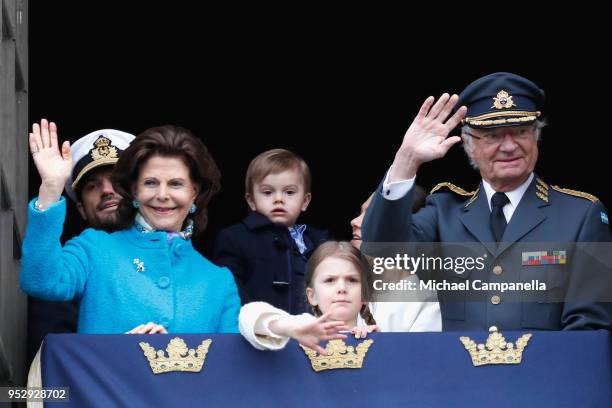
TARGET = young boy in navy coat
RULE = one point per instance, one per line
(267, 251)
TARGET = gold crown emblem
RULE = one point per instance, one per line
(180, 358)
(339, 355)
(103, 149)
(497, 351)
(503, 100)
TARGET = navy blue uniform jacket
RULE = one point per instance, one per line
(544, 215)
(266, 262)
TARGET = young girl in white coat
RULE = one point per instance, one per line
(338, 287)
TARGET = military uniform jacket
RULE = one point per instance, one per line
(544, 215)
(266, 262)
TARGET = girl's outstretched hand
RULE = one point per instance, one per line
(361, 332)
(310, 334)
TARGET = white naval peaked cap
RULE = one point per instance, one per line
(99, 148)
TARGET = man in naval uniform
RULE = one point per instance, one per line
(93, 158)
(501, 117)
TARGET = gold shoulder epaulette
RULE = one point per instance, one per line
(474, 197)
(452, 188)
(576, 193)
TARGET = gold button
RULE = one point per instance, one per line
(497, 270)
(495, 299)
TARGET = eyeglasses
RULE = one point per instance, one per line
(493, 137)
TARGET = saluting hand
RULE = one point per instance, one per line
(53, 164)
(427, 137)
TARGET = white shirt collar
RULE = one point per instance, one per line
(514, 196)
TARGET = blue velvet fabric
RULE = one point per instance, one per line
(559, 369)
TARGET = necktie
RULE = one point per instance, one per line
(498, 221)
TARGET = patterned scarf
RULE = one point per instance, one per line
(143, 226)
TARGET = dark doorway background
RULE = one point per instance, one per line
(339, 87)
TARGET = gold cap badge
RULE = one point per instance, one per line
(103, 149)
(503, 101)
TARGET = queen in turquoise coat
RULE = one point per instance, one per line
(147, 272)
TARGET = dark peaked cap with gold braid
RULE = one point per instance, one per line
(501, 99)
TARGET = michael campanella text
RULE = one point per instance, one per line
(406, 285)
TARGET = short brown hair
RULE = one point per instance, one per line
(343, 250)
(167, 141)
(275, 161)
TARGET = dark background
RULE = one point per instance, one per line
(339, 87)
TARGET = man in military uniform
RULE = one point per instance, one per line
(93, 158)
(501, 117)
(90, 187)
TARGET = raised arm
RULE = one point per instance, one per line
(49, 271)
(427, 138)
(269, 328)
(53, 164)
